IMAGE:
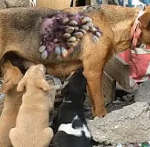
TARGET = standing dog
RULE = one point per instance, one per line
(25, 31)
(70, 120)
(12, 102)
(33, 117)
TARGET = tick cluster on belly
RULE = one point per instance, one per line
(61, 32)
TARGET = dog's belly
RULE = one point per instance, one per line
(63, 69)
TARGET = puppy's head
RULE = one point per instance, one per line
(76, 86)
(35, 76)
(12, 76)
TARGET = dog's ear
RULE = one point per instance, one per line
(12, 77)
(56, 87)
(21, 85)
(145, 19)
(43, 84)
(7, 86)
(64, 91)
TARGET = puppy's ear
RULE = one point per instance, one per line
(145, 19)
(43, 84)
(56, 87)
(64, 91)
(12, 76)
(21, 85)
(7, 86)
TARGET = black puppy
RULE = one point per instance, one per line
(69, 124)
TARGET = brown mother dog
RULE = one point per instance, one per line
(20, 33)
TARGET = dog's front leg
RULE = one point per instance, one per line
(94, 81)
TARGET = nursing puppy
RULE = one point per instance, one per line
(33, 118)
(12, 102)
(70, 120)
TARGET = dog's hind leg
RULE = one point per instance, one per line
(94, 58)
(45, 137)
(20, 138)
(16, 137)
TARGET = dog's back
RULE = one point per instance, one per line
(70, 121)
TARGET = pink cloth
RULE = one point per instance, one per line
(139, 61)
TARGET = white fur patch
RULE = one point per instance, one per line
(67, 128)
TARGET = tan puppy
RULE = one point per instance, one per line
(33, 118)
(19, 33)
(12, 102)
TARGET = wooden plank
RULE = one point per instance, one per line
(54, 4)
(74, 3)
(118, 69)
(94, 2)
(109, 88)
(88, 2)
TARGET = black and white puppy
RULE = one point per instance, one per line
(69, 124)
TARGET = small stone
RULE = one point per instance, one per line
(69, 30)
(90, 8)
(55, 40)
(58, 50)
(67, 35)
(44, 55)
(78, 35)
(42, 48)
(119, 145)
(65, 20)
(83, 31)
(71, 44)
(76, 28)
(86, 19)
(85, 27)
(95, 38)
(90, 24)
(98, 34)
(93, 29)
(73, 22)
(72, 39)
